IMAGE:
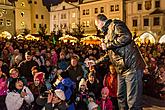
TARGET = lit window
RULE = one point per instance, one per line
(73, 25)
(84, 23)
(4, 11)
(23, 4)
(87, 11)
(40, 25)
(87, 25)
(116, 7)
(112, 8)
(62, 16)
(73, 15)
(8, 23)
(102, 10)
(23, 24)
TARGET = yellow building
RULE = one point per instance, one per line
(7, 17)
(89, 9)
(146, 16)
(64, 16)
(31, 14)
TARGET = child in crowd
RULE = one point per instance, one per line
(19, 96)
(82, 96)
(110, 81)
(14, 74)
(105, 102)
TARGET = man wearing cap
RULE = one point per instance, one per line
(127, 59)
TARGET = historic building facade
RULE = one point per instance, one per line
(64, 17)
(7, 17)
(146, 16)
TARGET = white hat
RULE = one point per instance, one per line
(60, 94)
(92, 105)
(82, 82)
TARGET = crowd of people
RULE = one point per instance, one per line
(36, 75)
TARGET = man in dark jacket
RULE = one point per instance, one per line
(126, 57)
(26, 66)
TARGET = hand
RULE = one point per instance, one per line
(103, 45)
(23, 94)
(50, 97)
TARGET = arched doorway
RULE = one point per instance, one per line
(162, 39)
(147, 37)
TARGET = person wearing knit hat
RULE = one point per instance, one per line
(92, 106)
(105, 103)
(82, 84)
(39, 78)
(56, 101)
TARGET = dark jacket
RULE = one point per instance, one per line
(122, 50)
(25, 69)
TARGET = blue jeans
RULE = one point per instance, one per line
(129, 91)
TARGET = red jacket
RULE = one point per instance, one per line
(111, 83)
(105, 104)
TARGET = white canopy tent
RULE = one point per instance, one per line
(162, 39)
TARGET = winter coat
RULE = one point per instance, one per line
(14, 100)
(105, 104)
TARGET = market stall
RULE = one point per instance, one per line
(94, 40)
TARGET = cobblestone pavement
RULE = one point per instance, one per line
(150, 103)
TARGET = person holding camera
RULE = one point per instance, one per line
(54, 101)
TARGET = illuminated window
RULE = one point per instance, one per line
(112, 8)
(116, 7)
(73, 25)
(4, 11)
(8, 23)
(73, 15)
(23, 4)
(87, 24)
(23, 24)
(84, 23)
(87, 11)
(102, 10)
